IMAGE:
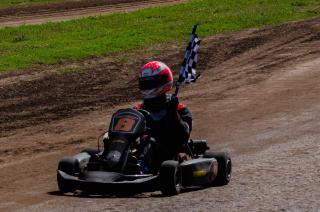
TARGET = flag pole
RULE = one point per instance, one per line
(181, 78)
(194, 29)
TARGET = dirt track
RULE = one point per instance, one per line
(258, 99)
(69, 10)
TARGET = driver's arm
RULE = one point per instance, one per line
(183, 123)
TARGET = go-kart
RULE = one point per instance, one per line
(115, 170)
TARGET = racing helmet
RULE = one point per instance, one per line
(155, 79)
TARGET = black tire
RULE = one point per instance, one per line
(71, 167)
(91, 151)
(224, 167)
(170, 178)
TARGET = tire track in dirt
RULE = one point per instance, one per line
(40, 17)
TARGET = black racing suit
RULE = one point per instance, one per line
(170, 125)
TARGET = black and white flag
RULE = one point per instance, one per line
(188, 72)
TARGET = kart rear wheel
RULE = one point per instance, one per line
(224, 167)
(170, 178)
(71, 167)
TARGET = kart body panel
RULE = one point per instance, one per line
(199, 172)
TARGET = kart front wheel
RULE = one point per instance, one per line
(170, 178)
(71, 167)
(64, 187)
(224, 167)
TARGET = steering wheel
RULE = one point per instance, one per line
(145, 113)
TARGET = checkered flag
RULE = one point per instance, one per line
(188, 68)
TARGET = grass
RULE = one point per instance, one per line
(14, 3)
(25, 46)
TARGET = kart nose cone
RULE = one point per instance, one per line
(103, 177)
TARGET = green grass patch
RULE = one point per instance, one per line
(22, 47)
(14, 3)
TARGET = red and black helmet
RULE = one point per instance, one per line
(155, 79)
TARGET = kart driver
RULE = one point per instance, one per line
(171, 121)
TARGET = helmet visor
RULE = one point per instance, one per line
(148, 83)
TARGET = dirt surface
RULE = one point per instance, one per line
(68, 10)
(258, 99)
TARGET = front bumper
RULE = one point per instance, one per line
(111, 183)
